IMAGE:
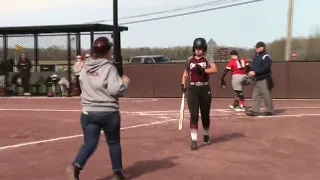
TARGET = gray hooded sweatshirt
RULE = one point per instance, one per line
(100, 84)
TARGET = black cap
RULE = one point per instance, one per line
(233, 52)
(260, 44)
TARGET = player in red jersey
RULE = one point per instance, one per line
(239, 68)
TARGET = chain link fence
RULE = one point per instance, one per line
(53, 52)
(48, 53)
(2, 73)
(1, 46)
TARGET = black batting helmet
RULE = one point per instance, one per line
(200, 43)
(101, 46)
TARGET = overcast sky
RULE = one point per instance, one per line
(237, 26)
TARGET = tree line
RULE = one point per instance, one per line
(307, 49)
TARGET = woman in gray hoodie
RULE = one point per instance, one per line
(100, 84)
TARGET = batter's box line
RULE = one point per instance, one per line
(80, 135)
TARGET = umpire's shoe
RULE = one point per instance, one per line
(118, 176)
(73, 172)
(252, 113)
(267, 113)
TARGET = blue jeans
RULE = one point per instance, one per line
(92, 123)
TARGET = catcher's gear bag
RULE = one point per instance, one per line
(53, 81)
(64, 86)
(247, 80)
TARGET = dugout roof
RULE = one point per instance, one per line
(69, 28)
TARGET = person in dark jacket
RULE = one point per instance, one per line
(261, 71)
(100, 84)
(24, 67)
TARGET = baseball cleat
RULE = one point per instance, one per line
(206, 139)
(240, 109)
(118, 176)
(73, 172)
(232, 106)
(194, 145)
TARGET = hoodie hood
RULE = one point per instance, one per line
(91, 65)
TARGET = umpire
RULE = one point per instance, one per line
(261, 70)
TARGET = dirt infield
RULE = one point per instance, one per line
(40, 137)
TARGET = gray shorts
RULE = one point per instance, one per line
(236, 82)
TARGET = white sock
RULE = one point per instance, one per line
(206, 132)
(194, 134)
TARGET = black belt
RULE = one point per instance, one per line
(199, 83)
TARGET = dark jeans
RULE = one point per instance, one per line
(199, 97)
(92, 123)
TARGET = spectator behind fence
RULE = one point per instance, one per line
(101, 85)
(24, 67)
(78, 65)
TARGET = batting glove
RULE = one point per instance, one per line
(183, 88)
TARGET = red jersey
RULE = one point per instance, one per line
(204, 62)
(237, 66)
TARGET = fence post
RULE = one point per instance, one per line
(78, 43)
(36, 52)
(91, 40)
(69, 61)
(5, 58)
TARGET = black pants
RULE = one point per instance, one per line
(25, 78)
(199, 97)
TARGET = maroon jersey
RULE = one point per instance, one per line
(194, 75)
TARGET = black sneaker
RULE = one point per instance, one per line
(206, 139)
(194, 145)
(118, 176)
(73, 172)
(267, 113)
(252, 113)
